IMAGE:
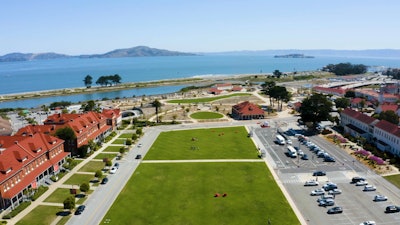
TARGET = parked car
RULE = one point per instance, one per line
(138, 157)
(80, 209)
(319, 191)
(368, 223)
(357, 179)
(380, 198)
(329, 186)
(139, 145)
(335, 210)
(113, 170)
(392, 209)
(104, 180)
(325, 197)
(369, 188)
(304, 157)
(329, 159)
(335, 192)
(362, 183)
(116, 165)
(319, 173)
(311, 183)
(289, 142)
(327, 202)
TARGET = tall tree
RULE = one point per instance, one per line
(157, 104)
(267, 86)
(88, 81)
(277, 73)
(389, 116)
(89, 106)
(342, 103)
(315, 109)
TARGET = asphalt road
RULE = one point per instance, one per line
(358, 206)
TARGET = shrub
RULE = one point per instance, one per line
(17, 210)
(39, 192)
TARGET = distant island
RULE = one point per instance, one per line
(139, 51)
(293, 56)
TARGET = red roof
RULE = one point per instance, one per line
(359, 116)
(247, 108)
(330, 90)
(388, 127)
(387, 107)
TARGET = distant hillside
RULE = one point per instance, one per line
(139, 51)
(12, 57)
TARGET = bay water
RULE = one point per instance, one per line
(39, 75)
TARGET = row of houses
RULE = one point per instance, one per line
(30, 157)
(385, 135)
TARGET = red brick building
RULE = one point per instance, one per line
(247, 111)
(25, 163)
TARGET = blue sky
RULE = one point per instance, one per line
(97, 26)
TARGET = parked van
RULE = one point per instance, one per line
(291, 151)
(280, 140)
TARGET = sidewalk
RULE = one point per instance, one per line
(58, 184)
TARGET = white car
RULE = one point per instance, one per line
(362, 183)
(113, 170)
(335, 192)
(139, 145)
(289, 142)
(311, 183)
(380, 198)
(368, 223)
(369, 188)
(319, 191)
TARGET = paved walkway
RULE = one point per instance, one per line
(58, 184)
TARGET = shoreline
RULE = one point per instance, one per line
(122, 86)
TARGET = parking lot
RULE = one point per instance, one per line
(358, 205)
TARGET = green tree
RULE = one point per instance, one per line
(157, 104)
(389, 116)
(88, 81)
(277, 73)
(84, 187)
(139, 131)
(69, 203)
(89, 106)
(350, 94)
(98, 174)
(280, 94)
(134, 137)
(315, 109)
(267, 87)
(342, 103)
(66, 133)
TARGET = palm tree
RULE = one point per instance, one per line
(157, 105)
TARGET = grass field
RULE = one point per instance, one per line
(110, 156)
(127, 135)
(112, 149)
(119, 141)
(59, 195)
(394, 179)
(183, 193)
(206, 115)
(47, 215)
(78, 179)
(92, 166)
(203, 100)
(213, 143)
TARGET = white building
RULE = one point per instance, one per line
(387, 137)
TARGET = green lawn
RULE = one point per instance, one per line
(110, 156)
(213, 143)
(119, 141)
(41, 215)
(210, 99)
(394, 179)
(206, 115)
(183, 193)
(92, 166)
(59, 195)
(112, 149)
(78, 179)
(127, 135)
